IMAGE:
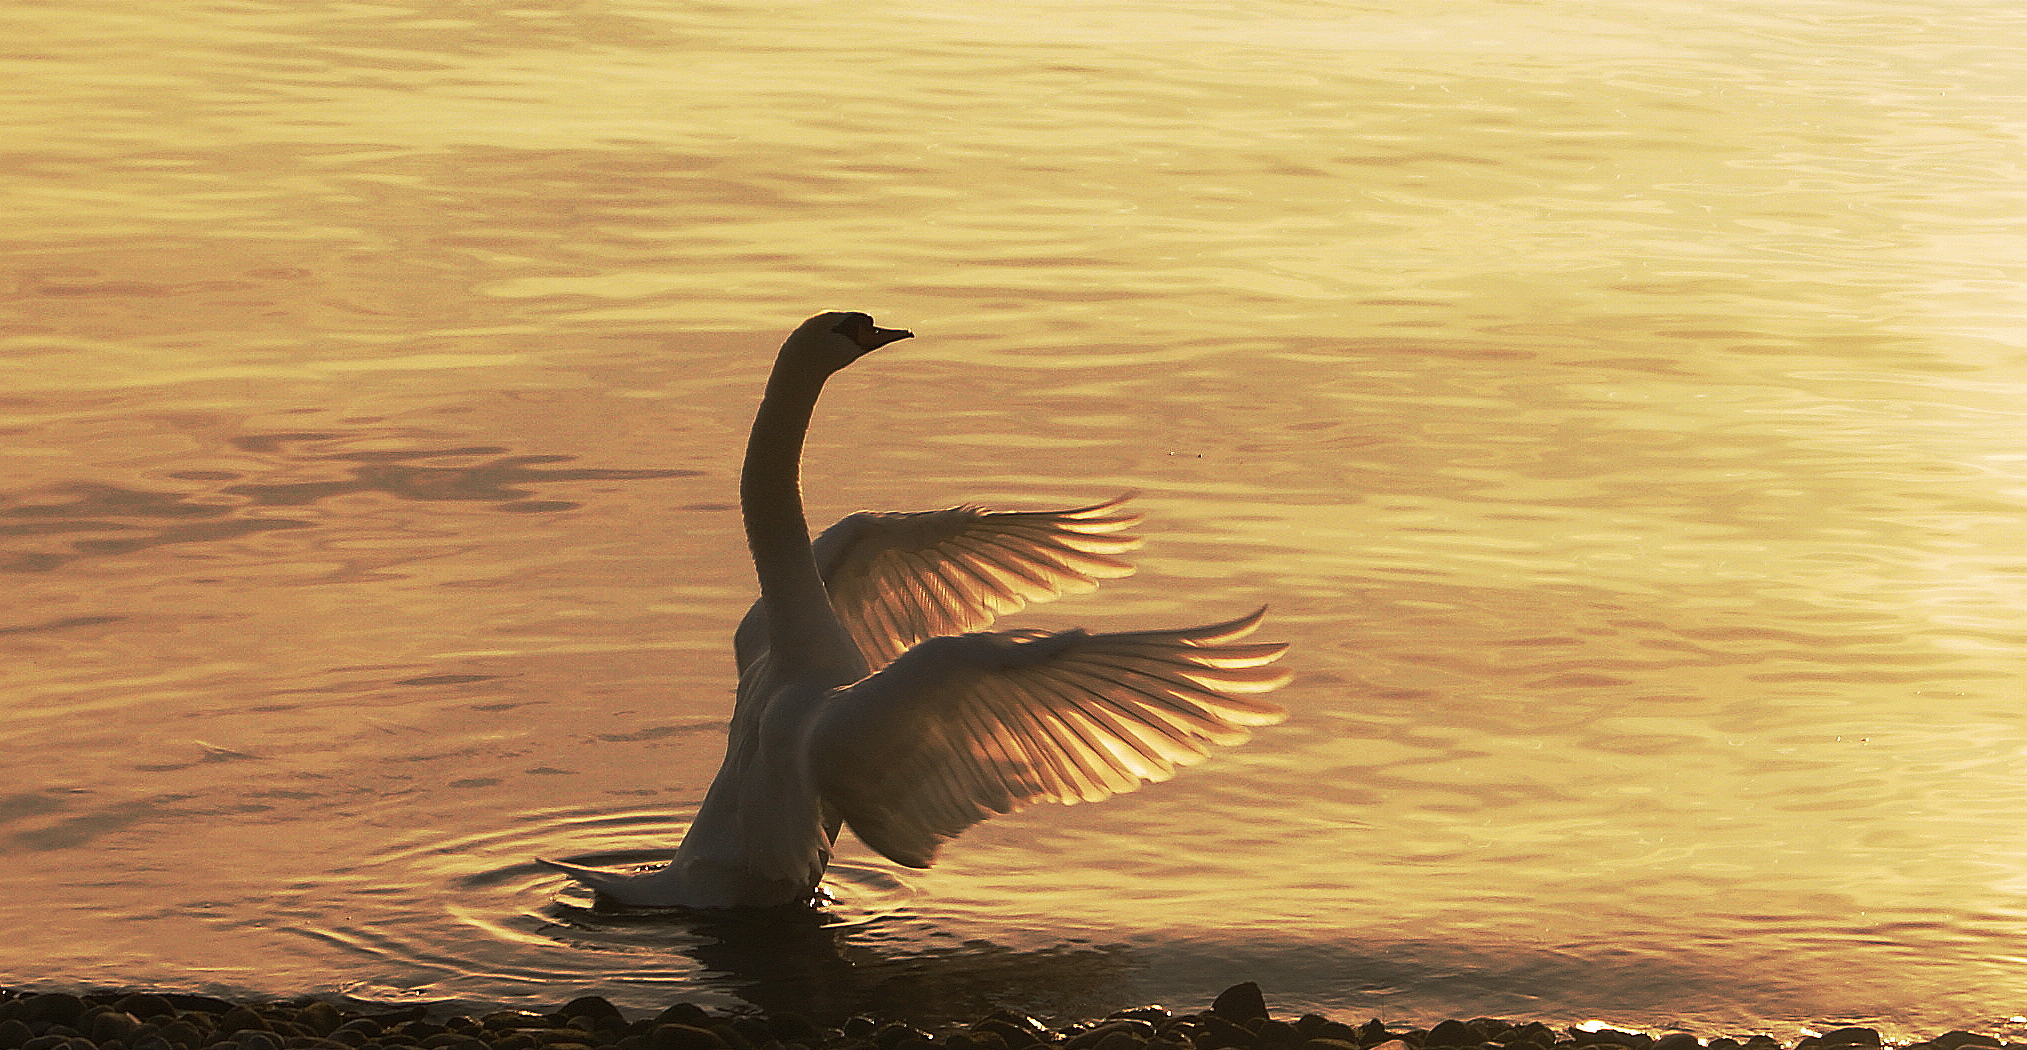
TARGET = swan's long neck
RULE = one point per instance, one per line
(801, 627)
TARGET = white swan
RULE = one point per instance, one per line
(859, 703)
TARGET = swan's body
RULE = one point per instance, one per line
(860, 703)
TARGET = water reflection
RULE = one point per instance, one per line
(503, 480)
(475, 919)
(141, 519)
(809, 964)
(94, 508)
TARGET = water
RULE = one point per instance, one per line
(1618, 404)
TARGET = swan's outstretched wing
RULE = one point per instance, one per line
(898, 579)
(962, 727)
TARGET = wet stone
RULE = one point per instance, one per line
(895, 1036)
(685, 1037)
(1217, 1033)
(505, 1019)
(1010, 1035)
(790, 1027)
(1533, 1032)
(320, 1017)
(685, 1014)
(113, 1024)
(204, 1004)
(145, 1006)
(241, 1019)
(1239, 1020)
(595, 1008)
(1240, 1003)
(1137, 1031)
(52, 1008)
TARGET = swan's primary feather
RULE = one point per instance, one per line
(961, 727)
(896, 579)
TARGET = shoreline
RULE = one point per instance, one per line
(1239, 1019)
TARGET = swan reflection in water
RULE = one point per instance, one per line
(858, 957)
(862, 700)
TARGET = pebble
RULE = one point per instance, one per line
(1241, 1003)
(1238, 1019)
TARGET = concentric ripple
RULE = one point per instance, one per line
(851, 895)
(467, 919)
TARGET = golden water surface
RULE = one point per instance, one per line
(1620, 406)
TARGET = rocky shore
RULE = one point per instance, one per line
(1238, 1020)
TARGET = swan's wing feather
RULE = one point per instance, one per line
(899, 579)
(961, 727)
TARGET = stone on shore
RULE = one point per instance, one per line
(1238, 1019)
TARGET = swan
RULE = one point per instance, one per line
(868, 695)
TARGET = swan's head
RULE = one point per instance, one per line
(830, 341)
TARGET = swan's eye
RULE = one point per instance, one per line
(854, 326)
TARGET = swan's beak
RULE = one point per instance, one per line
(873, 337)
(867, 336)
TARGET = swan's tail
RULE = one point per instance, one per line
(606, 882)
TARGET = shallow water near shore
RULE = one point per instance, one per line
(1619, 408)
